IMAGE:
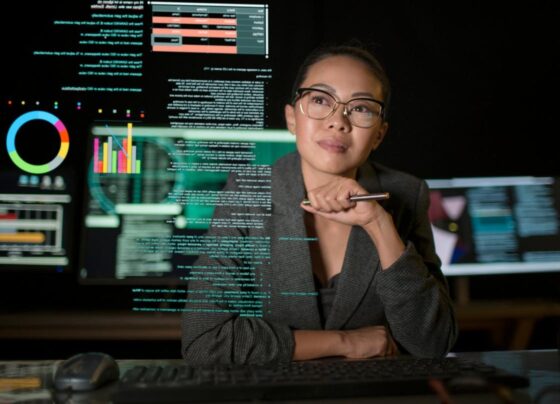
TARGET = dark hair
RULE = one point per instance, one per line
(354, 50)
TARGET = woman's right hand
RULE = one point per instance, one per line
(368, 342)
(332, 201)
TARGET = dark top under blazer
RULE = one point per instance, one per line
(410, 297)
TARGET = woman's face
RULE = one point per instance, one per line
(333, 145)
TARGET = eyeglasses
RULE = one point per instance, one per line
(320, 104)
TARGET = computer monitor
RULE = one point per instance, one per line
(145, 216)
(37, 191)
(496, 225)
(86, 70)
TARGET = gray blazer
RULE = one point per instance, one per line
(410, 297)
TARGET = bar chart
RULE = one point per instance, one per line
(31, 229)
(116, 155)
(31, 225)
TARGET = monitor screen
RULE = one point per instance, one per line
(131, 76)
(145, 217)
(496, 225)
(38, 188)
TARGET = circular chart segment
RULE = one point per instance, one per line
(37, 168)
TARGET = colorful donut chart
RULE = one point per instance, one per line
(37, 168)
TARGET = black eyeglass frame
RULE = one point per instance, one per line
(301, 91)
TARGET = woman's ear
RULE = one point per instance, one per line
(290, 115)
(380, 135)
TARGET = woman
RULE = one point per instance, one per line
(351, 279)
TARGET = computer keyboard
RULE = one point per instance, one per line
(310, 379)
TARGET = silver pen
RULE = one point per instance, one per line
(379, 196)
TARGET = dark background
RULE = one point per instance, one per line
(475, 87)
(475, 84)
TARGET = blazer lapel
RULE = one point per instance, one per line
(359, 267)
(294, 291)
(361, 262)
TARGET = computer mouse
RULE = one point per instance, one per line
(86, 371)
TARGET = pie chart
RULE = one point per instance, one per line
(13, 132)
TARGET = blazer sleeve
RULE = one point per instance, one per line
(414, 291)
(214, 328)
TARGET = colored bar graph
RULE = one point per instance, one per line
(116, 155)
(109, 153)
(105, 150)
(121, 162)
(114, 161)
(95, 155)
(129, 149)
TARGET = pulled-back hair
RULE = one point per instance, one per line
(353, 50)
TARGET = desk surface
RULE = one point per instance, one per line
(510, 323)
(542, 368)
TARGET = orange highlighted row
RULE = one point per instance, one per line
(194, 20)
(23, 237)
(204, 33)
(196, 49)
(19, 383)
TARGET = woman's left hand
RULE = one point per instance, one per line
(332, 201)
